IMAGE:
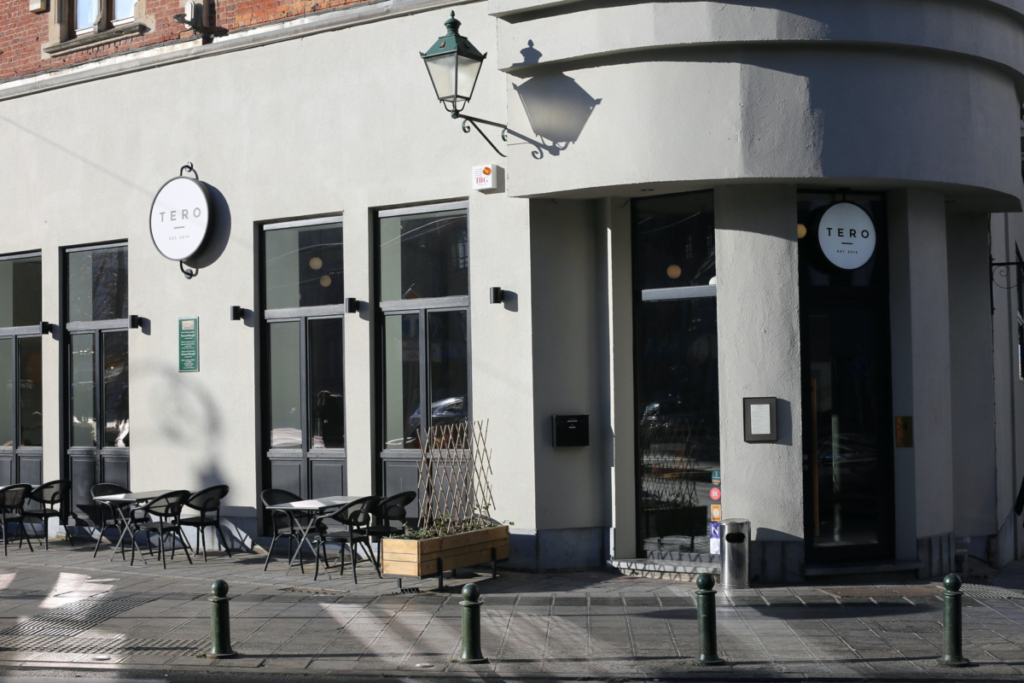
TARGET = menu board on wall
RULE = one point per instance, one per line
(188, 345)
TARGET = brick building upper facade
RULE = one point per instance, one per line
(44, 35)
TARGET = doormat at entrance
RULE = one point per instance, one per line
(78, 617)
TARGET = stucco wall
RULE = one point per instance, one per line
(278, 132)
(759, 355)
(971, 388)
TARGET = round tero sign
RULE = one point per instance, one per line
(179, 220)
(847, 236)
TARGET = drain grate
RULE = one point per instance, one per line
(606, 602)
(978, 590)
(898, 626)
(88, 646)
(634, 601)
(78, 617)
(534, 601)
(570, 602)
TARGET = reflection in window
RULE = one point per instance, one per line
(677, 396)
(6, 392)
(115, 389)
(327, 383)
(674, 241)
(83, 387)
(30, 390)
(449, 367)
(424, 256)
(285, 366)
(304, 267)
(402, 381)
(98, 284)
(21, 298)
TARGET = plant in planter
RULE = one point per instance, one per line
(456, 529)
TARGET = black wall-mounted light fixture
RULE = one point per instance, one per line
(44, 328)
(454, 66)
(351, 305)
(236, 312)
(497, 295)
(133, 322)
(199, 21)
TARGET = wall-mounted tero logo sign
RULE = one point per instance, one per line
(179, 220)
(847, 236)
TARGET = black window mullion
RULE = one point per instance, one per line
(16, 405)
(426, 410)
(304, 402)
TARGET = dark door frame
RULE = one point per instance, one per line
(874, 298)
(264, 318)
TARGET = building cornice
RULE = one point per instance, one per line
(173, 53)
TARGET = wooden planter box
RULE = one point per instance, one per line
(431, 556)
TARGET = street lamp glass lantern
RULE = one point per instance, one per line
(453, 65)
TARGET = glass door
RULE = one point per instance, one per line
(97, 418)
(21, 370)
(676, 318)
(304, 361)
(848, 449)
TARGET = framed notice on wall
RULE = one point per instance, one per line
(760, 422)
(188, 345)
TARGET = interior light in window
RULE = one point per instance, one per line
(801, 231)
(325, 281)
(316, 263)
(674, 271)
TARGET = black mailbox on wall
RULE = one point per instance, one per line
(570, 431)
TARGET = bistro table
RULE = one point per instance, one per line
(315, 508)
(127, 499)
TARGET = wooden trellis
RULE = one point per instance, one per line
(454, 469)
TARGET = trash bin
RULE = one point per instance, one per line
(736, 553)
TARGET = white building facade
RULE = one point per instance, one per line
(663, 239)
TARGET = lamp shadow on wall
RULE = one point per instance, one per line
(556, 106)
(188, 415)
(220, 232)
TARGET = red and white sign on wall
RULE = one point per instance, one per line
(488, 178)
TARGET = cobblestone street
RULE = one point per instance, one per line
(64, 608)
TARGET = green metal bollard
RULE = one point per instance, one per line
(707, 630)
(471, 653)
(952, 623)
(220, 622)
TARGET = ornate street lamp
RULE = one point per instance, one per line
(454, 66)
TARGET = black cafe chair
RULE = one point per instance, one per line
(284, 524)
(161, 516)
(391, 509)
(207, 503)
(355, 518)
(12, 511)
(109, 517)
(49, 497)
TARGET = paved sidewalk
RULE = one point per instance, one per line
(64, 607)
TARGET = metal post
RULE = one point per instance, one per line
(707, 630)
(471, 653)
(952, 623)
(220, 622)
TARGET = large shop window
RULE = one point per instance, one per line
(21, 370)
(304, 361)
(423, 285)
(676, 374)
(97, 418)
(847, 390)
